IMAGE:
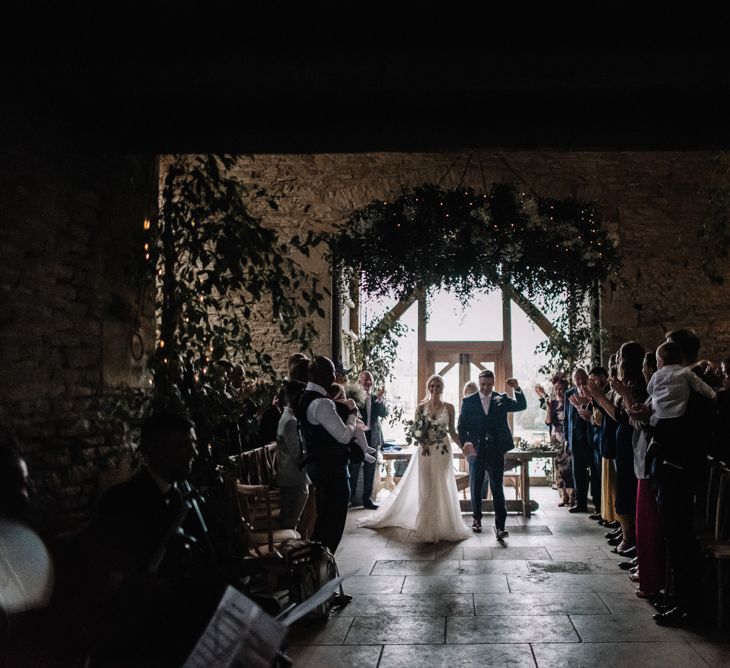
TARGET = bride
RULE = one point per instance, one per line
(426, 500)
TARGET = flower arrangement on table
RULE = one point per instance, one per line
(428, 433)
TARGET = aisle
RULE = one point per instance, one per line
(551, 596)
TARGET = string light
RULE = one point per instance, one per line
(146, 224)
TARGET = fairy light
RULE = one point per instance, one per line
(162, 343)
(146, 224)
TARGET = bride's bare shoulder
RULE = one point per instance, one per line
(449, 407)
(422, 403)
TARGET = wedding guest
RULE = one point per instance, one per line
(269, 422)
(292, 481)
(326, 439)
(630, 387)
(297, 367)
(669, 391)
(140, 589)
(721, 436)
(700, 413)
(26, 567)
(579, 439)
(371, 413)
(596, 418)
(554, 419)
(470, 387)
(336, 392)
(650, 550)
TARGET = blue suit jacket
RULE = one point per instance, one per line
(475, 426)
(573, 422)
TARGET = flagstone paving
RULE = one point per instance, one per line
(550, 595)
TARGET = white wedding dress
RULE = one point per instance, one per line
(426, 500)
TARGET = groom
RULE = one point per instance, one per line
(486, 436)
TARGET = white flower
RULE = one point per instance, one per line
(418, 433)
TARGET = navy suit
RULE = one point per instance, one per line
(374, 437)
(580, 437)
(492, 438)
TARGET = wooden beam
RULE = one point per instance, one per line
(532, 311)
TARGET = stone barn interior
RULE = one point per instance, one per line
(327, 123)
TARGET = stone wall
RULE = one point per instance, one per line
(67, 302)
(67, 310)
(655, 202)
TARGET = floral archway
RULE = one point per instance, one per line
(549, 253)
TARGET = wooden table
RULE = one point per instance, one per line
(521, 458)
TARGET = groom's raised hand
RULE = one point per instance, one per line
(513, 383)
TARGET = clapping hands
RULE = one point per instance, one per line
(639, 412)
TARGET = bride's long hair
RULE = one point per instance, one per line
(428, 382)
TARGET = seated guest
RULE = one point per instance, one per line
(26, 570)
(292, 481)
(138, 588)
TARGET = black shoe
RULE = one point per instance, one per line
(370, 505)
(613, 525)
(578, 509)
(476, 526)
(595, 516)
(630, 552)
(615, 541)
(341, 600)
(676, 616)
(626, 565)
(501, 533)
(612, 534)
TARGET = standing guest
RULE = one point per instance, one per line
(470, 387)
(269, 422)
(721, 440)
(630, 387)
(555, 419)
(336, 392)
(371, 413)
(669, 392)
(596, 418)
(579, 439)
(297, 367)
(700, 414)
(326, 437)
(292, 481)
(650, 550)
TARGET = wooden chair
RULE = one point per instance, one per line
(713, 488)
(719, 548)
(255, 506)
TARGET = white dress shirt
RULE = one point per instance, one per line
(486, 401)
(669, 390)
(323, 412)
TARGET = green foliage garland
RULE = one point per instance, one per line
(464, 242)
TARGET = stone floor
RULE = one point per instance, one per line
(551, 595)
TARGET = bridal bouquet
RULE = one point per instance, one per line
(428, 432)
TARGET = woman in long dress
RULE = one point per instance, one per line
(426, 500)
